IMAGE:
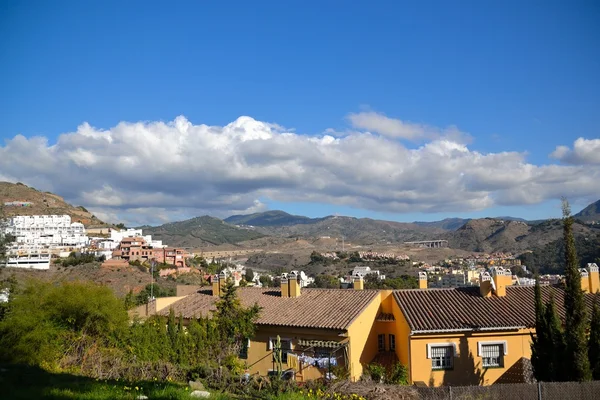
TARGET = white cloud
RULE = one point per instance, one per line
(584, 152)
(151, 172)
(395, 128)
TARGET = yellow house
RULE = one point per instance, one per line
(459, 336)
(472, 335)
(319, 329)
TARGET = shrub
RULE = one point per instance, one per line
(376, 372)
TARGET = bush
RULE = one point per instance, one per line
(80, 258)
(82, 328)
(43, 319)
(376, 372)
(397, 374)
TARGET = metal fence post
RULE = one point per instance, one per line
(450, 391)
(539, 390)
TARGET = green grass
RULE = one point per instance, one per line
(22, 382)
(19, 382)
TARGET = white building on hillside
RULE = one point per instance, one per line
(364, 271)
(46, 230)
(117, 236)
(105, 247)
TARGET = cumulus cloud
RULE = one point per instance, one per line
(152, 172)
(584, 152)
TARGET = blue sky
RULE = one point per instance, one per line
(515, 76)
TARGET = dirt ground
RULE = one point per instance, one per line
(121, 280)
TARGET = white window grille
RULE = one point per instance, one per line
(442, 356)
(381, 342)
(492, 355)
(392, 342)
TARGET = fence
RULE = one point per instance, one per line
(515, 391)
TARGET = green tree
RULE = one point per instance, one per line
(45, 321)
(540, 342)
(5, 239)
(594, 341)
(249, 275)
(157, 291)
(316, 257)
(265, 281)
(172, 328)
(120, 225)
(555, 343)
(354, 257)
(326, 281)
(234, 323)
(577, 365)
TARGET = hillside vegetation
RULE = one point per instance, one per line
(43, 203)
(200, 231)
(364, 231)
(269, 218)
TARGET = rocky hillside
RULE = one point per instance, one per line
(590, 214)
(121, 280)
(364, 231)
(490, 234)
(41, 203)
(200, 232)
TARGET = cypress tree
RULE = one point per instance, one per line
(548, 345)
(577, 364)
(539, 341)
(555, 344)
(172, 328)
(594, 343)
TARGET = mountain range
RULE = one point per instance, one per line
(484, 234)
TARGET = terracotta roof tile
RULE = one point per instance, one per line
(315, 308)
(463, 309)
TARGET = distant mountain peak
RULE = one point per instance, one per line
(590, 213)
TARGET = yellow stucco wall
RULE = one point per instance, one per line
(164, 302)
(363, 338)
(468, 368)
(364, 330)
(260, 356)
(402, 331)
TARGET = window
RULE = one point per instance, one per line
(392, 342)
(441, 355)
(492, 355)
(244, 349)
(381, 342)
(286, 347)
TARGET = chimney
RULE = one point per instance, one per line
(285, 289)
(594, 285)
(422, 280)
(222, 281)
(215, 285)
(357, 282)
(499, 281)
(585, 280)
(485, 284)
(294, 284)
